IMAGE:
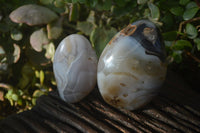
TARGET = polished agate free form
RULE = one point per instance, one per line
(132, 66)
(75, 68)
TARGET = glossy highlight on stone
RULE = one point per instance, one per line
(75, 68)
(132, 66)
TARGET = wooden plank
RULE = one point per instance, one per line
(175, 109)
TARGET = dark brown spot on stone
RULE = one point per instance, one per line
(113, 90)
(133, 68)
(114, 101)
(125, 95)
(122, 84)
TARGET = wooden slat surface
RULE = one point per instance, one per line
(176, 108)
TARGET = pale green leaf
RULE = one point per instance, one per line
(191, 31)
(14, 97)
(74, 12)
(50, 51)
(54, 29)
(16, 35)
(36, 94)
(197, 42)
(59, 3)
(91, 17)
(16, 53)
(41, 77)
(85, 27)
(37, 39)
(155, 12)
(100, 37)
(190, 13)
(32, 15)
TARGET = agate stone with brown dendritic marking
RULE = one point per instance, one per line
(132, 66)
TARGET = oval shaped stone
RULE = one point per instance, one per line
(75, 68)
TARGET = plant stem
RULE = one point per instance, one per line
(193, 57)
(187, 21)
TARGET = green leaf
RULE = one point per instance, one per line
(41, 77)
(16, 53)
(100, 37)
(74, 12)
(155, 13)
(190, 13)
(37, 39)
(59, 3)
(50, 51)
(191, 10)
(54, 29)
(19, 102)
(183, 2)
(85, 27)
(91, 17)
(197, 42)
(178, 11)
(170, 36)
(182, 45)
(14, 97)
(27, 75)
(191, 5)
(32, 14)
(37, 74)
(36, 94)
(191, 31)
(2, 51)
(16, 35)
(140, 2)
(177, 56)
(106, 4)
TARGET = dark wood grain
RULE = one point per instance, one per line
(175, 109)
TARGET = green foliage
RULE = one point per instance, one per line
(26, 51)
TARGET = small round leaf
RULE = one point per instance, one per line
(191, 31)
(155, 12)
(32, 15)
(16, 53)
(38, 39)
